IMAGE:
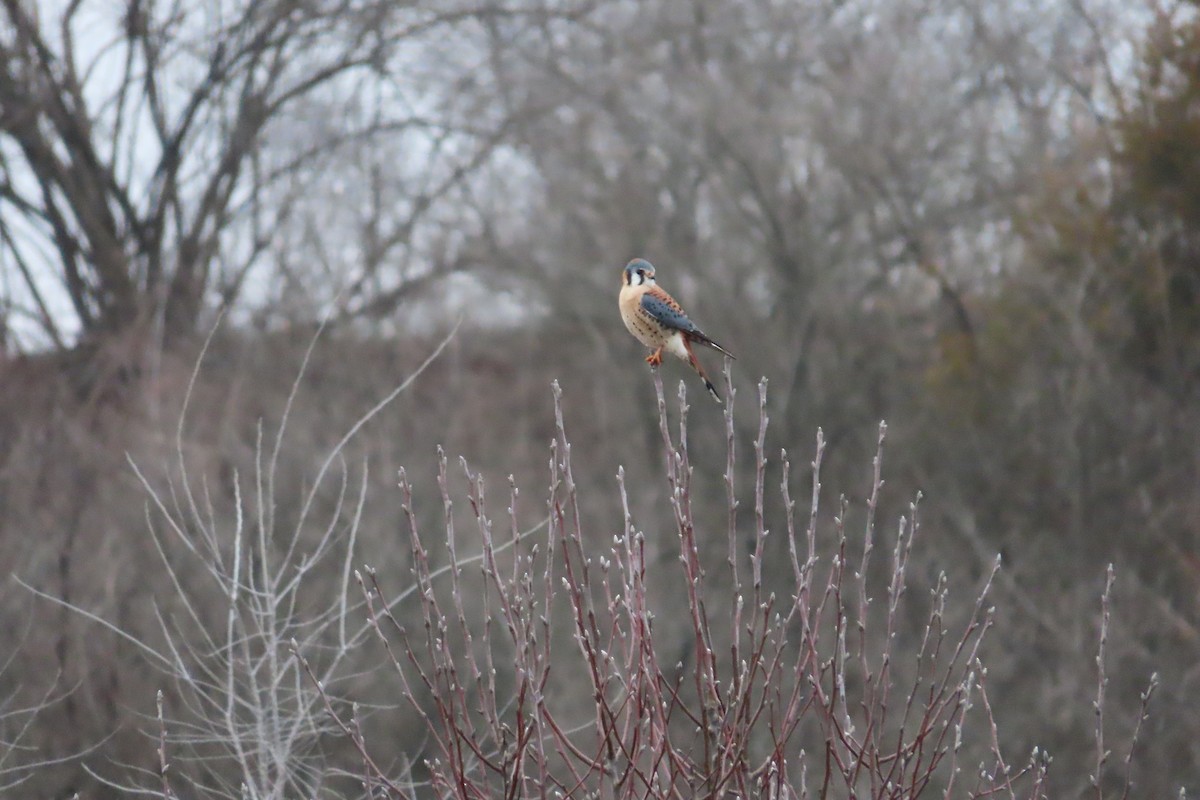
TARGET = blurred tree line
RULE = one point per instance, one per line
(980, 221)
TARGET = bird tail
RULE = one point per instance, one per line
(695, 362)
(704, 340)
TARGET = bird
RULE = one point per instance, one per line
(657, 321)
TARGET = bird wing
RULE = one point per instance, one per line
(663, 309)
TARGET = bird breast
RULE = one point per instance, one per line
(645, 328)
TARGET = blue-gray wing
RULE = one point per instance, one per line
(667, 313)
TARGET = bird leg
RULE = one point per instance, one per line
(655, 358)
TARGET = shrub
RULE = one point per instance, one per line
(783, 695)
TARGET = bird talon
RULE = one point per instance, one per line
(655, 358)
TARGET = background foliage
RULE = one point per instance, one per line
(980, 221)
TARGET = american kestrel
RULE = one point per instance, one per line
(658, 322)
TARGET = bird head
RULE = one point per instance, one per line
(638, 272)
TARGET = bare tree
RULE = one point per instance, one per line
(152, 155)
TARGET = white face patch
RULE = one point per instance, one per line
(638, 277)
